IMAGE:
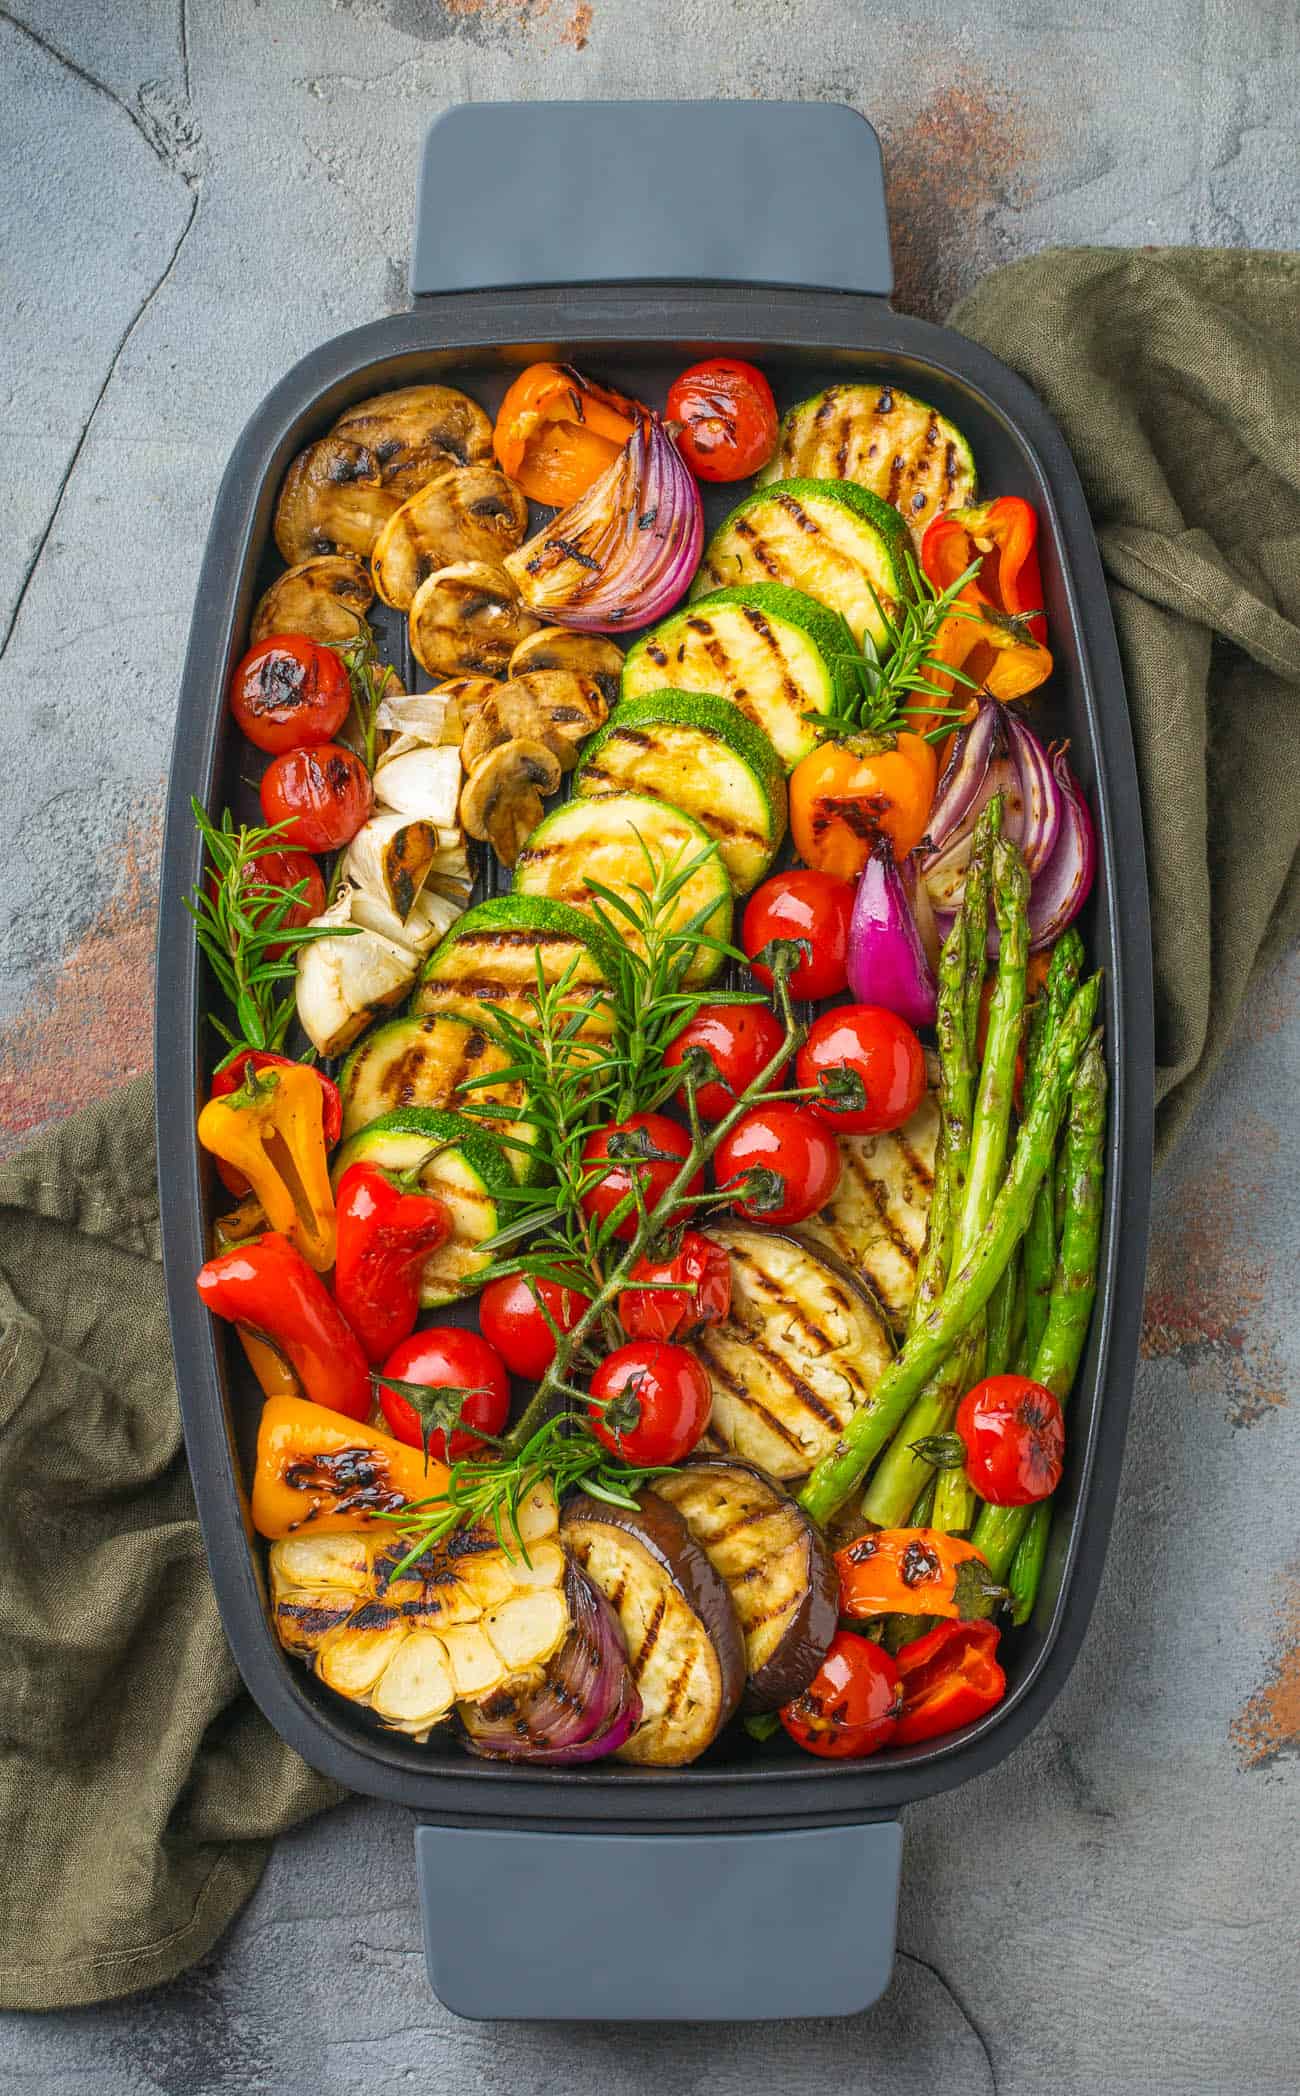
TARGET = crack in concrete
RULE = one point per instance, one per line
(961, 2008)
(183, 38)
(167, 155)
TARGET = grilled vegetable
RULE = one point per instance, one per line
(466, 620)
(266, 1288)
(332, 501)
(590, 655)
(454, 1159)
(343, 982)
(779, 1573)
(422, 1062)
(802, 1349)
(491, 958)
(556, 432)
(385, 1235)
(582, 1704)
(466, 513)
(560, 717)
(501, 801)
(766, 648)
(271, 1130)
(326, 598)
(882, 439)
(685, 1650)
(918, 1571)
(423, 783)
(392, 856)
(330, 1473)
(608, 841)
(830, 538)
(414, 432)
(875, 1220)
(698, 753)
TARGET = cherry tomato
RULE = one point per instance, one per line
(654, 1174)
(791, 1142)
(1015, 1440)
(653, 1402)
(322, 795)
(700, 1272)
(512, 1320)
(850, 1707)
(803, 904)
(290, 692)
(878, 1047)
(284, 870)
(741, 1040)
(445, 1357)
(728, 415)
(231, 1079)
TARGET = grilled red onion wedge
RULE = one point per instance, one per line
(581, 1705)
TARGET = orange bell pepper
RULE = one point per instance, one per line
(1003, 649)
(321, 1471)
(914, 1572)
(556, 432)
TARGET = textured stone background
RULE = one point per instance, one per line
(194, 192)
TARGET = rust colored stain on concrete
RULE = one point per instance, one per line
(949, 166)
(1268, 1724)
(524, 14)
(1210, 1283)
(90, 1027)
(577, 29)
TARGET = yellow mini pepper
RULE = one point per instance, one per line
(321, 1471)
(270, 1130)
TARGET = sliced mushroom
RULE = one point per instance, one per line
(466, 513)
(414, 432)
(502, 800)
(590, 654)
(519, 710)
(467, 619)
(331, 502)
(326, 598)
(573, 703)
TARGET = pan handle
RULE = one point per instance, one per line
(516, 195)
(675, 1928)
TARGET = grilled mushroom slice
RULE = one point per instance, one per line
(413, 432)
(589, 654)
(467, 619)
(326, 598)
(502, 798)
(466, 513)
(332, 501)
(572, 702)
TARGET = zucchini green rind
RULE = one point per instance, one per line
(460, 1163)
(489, 958)
(836, 541)
(768, 649)
(900, 448)
(422, 1061)
(696, 752)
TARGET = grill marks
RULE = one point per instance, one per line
(884, 440)
(876, 1219)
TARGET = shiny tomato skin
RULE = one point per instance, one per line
(850, 1707)
(701, 1295)
(791, 1141)
(285, 870)
(446, 1357)
(883, 1051)
(728, 417)
(657, 1399)
(741, 1039)
(803, 904)
(1015, 1440)
(322, 796)
(512, 1322)
(655, 1175)
(289, 693)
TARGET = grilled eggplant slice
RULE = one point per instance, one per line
(490, 959)
(589, 654)
(413, 432)
(875, 1220)
(332, 501)
(326, 598)
(466, 513)
(467, 620)
(780, 1575)
(684, 1646)
(884, 440)
(803, 1346)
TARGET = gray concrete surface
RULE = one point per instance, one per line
(193, 194)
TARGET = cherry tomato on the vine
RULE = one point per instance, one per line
(322, 796)
(728, 417)
(803, 904)
(231, 1078)
(1015, 1440)
(651, 1402)
(850, 1707)
(289, 692)
(446, 1357)
(740, 1039)
(670, 1146)
(879, 1048)
(700, 1294)
(786, 1140)
(509, 1312)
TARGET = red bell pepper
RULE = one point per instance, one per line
(267, 1288)
(948, 1677)
(231, 1079)
(1004, 648)
(386, 1230)
(700, 1291)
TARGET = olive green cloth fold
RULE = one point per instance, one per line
(140, 1789)
(1174, 376)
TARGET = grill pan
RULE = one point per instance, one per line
(759, 1882)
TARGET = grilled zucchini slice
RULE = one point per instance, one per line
(884, 440)
(696, 752)
(803, 1347)
(768, 649)
(423, 1061)
(465, 1168)
(490, 957)
(621, 841)
(875, 1220)
(830, 538)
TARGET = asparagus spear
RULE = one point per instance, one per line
(998, 1352)
(971, 1286)
(1027, 1564)
(1063, 973)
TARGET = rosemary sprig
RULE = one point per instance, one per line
(876, 681)
(370, 680)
